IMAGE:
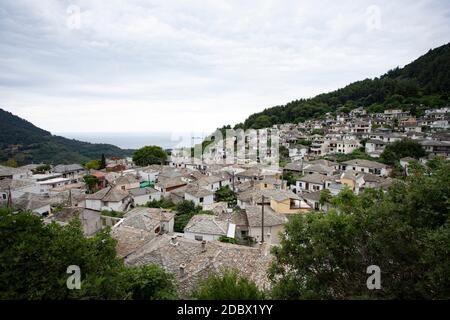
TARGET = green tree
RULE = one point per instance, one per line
(262, 121)
(164, 203)
(91, 182)
(227, 195)
(289, 177)
(227, 285)
(11, 163)
(42, 168)
(34, 258)
(185, 210)
(149, 155)
(93, 164)
(103, 162)
(403, 148)
(405, 231)
(226, 239)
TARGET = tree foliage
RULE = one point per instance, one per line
(91, 181)
(93, 164)
(227, 195)
(34, 259)
(149, 155)
(405, 231)
(393, 152)
(227, 285)
(22, 141)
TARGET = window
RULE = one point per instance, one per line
(4, 196)
(123, 187)
(201, 200)
(199, 238)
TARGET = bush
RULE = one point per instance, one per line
(227, 285)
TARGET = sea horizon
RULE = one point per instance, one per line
(136, 140)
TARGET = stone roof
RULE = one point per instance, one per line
(108, 194)
(130, 239)
(271, 218)
(62, 168)
(142, 191)
(5, 184)
(281, 195)
(365, 163)
(90, 219)
(198, 192)
(207, 224)
(294, 166)
(318, 168)
(197, 261)
(313, 178)
(313, 196)
(351, 175)
(126, 179)
(147, 218)
(138, 227)
(323, 162)
(254, 195)
(170, 182)
(7, 171)
(30, 201)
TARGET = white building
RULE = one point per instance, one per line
(208, 227)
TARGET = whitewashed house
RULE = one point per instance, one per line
(208, 227)
(143, 195)
(108, 199)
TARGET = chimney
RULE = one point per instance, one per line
(182, 267)
(173, 241)
(204, 246)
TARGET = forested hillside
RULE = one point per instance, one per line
(422, 84)
(24, 142)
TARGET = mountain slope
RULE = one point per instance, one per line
(421, 84)
(26, 143)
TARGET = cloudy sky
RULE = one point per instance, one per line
(135, 65)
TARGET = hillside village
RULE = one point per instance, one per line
(239, 208)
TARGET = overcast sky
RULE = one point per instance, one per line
(133, 66)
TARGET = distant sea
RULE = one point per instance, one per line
(136, 140)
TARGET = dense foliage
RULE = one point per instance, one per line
(393, 152)
(421, 84)
(34, 259)
(149, 155)
(91, 182)
(406, 232)
(227, 195)
(26, 143)
(227, 285)
(185, 210)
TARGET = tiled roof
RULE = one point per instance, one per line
(271, 218)
(198, 262)
(206, 224)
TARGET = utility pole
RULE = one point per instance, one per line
(232, 179)
(262, 221)
(9, 202)
(160, 222)
(70, 197)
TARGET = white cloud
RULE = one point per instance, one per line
(183, 64)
